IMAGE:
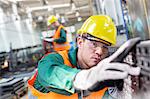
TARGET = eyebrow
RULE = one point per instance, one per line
(96, 39)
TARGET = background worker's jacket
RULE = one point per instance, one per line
(55, 78)
(60, 39)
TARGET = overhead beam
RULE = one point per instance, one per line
(49, 6)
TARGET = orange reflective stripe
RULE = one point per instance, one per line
(64, 54)
(52, 95)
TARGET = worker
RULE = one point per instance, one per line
(60, 42)
(74, 74)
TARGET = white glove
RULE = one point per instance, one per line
(105, 70)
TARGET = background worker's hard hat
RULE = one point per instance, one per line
(51, 19)
(100, 26)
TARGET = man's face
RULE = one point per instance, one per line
(91, 52)
(53, 25)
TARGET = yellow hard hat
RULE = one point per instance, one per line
(101, 27)
(51, 19)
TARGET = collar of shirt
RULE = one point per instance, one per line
(73, 57)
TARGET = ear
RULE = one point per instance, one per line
(79, 42)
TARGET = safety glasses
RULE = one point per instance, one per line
(93, 44)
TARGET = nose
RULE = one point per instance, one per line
(99, 51)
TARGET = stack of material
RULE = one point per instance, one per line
(12, 87)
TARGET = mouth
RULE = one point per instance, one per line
(96, 59)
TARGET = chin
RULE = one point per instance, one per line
(92, 64)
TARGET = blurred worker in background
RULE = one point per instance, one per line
(75, 74)
(60, 36)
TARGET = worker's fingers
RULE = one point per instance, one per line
(134, 71)
(117, 66)
(114, 75)
(123, 67)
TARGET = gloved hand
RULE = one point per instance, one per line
(105, 70)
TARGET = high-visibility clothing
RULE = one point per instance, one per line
(60, 46)
(52, 95)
